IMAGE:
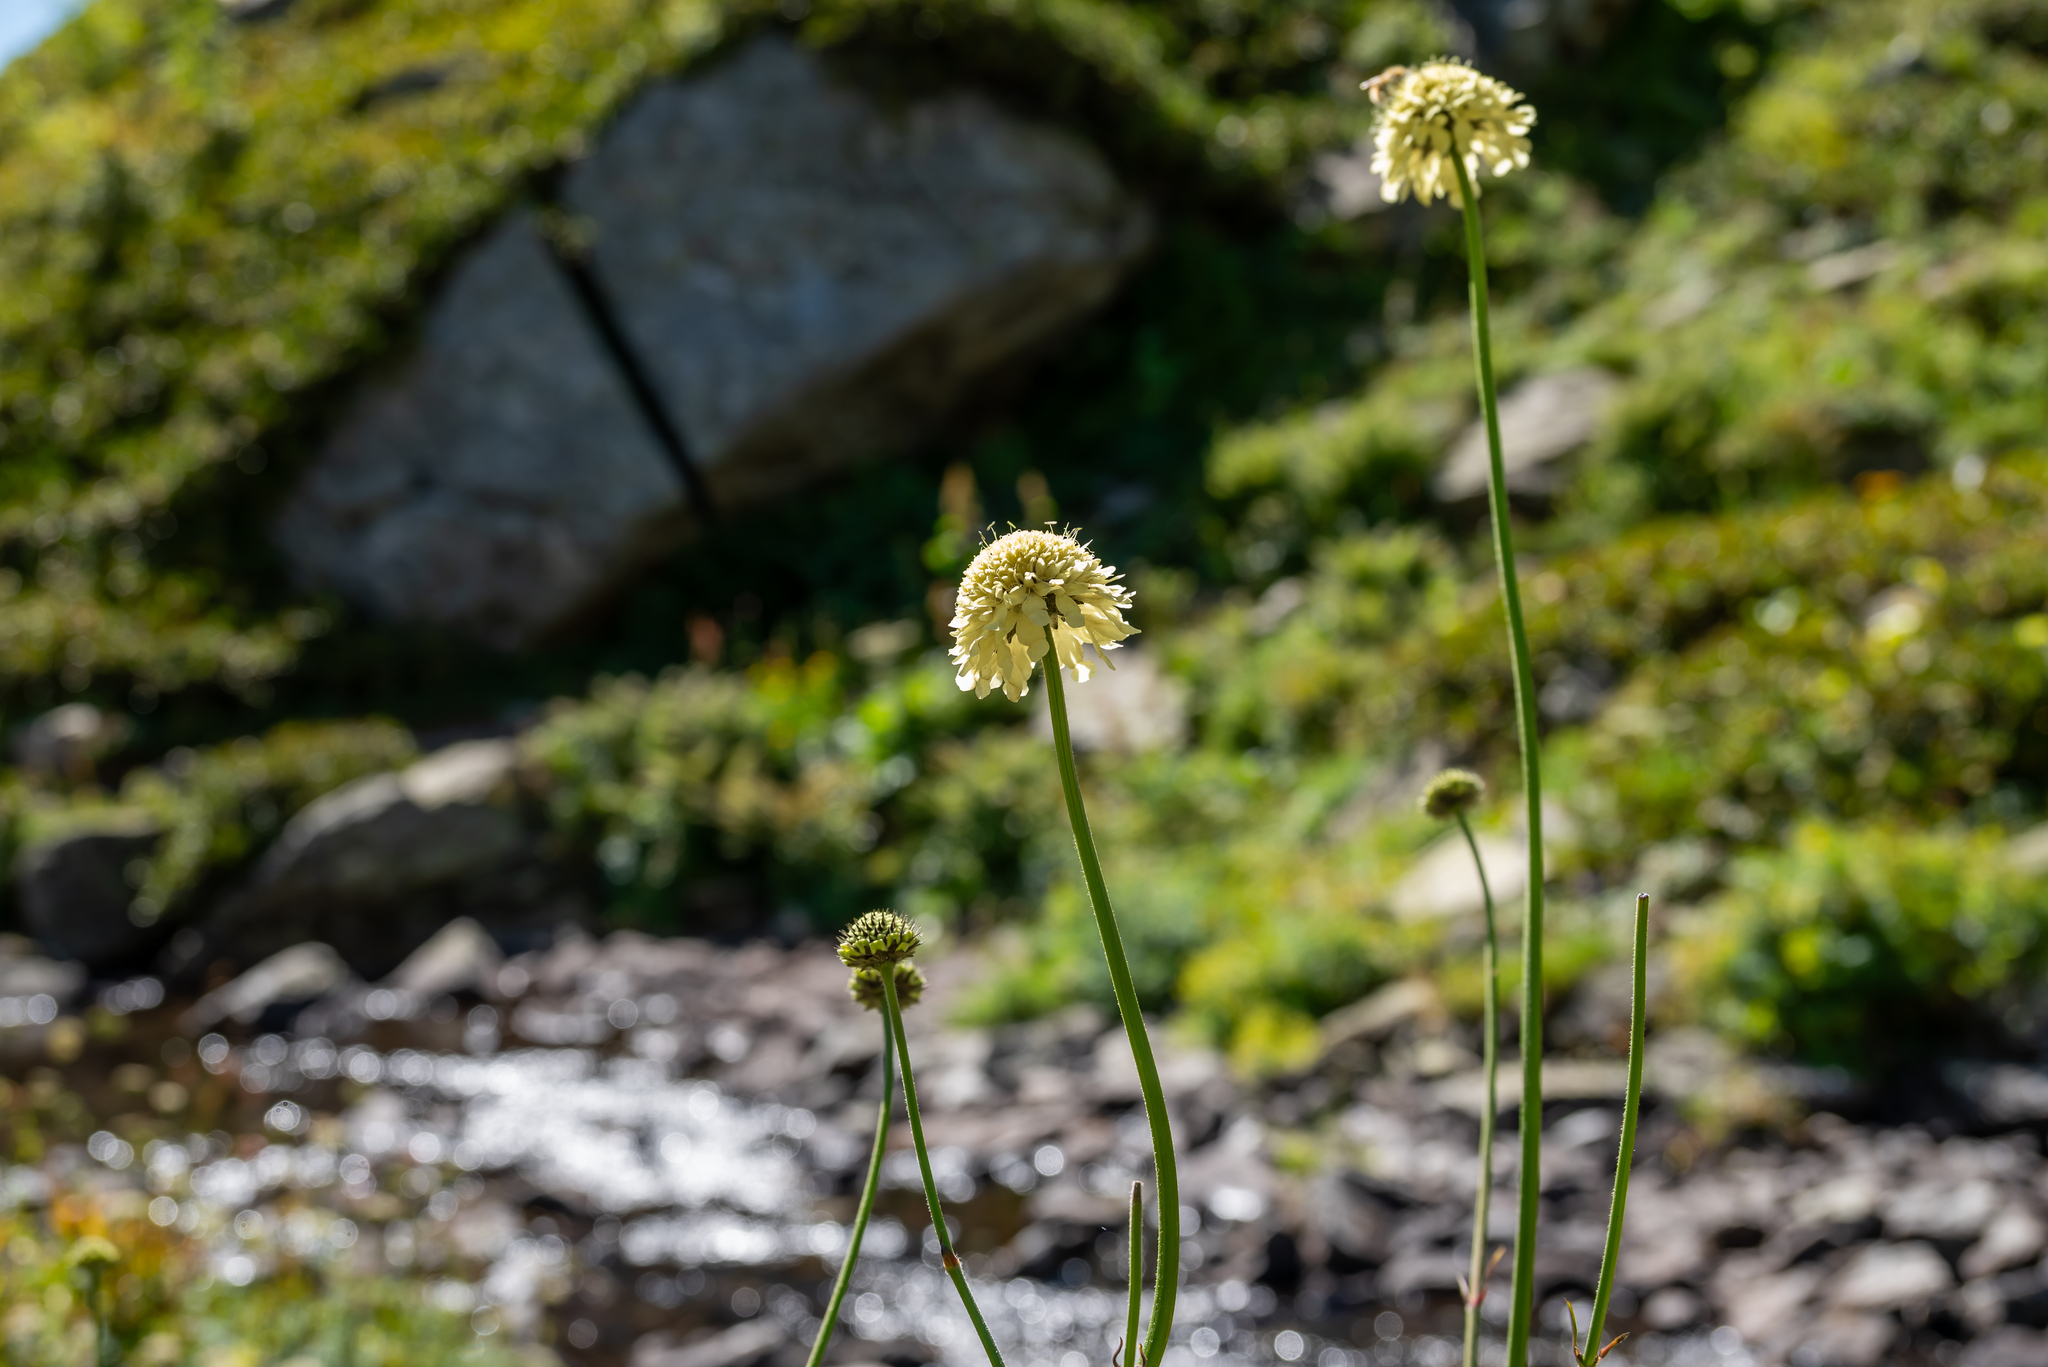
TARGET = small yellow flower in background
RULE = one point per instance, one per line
(878, 939)
(866, 987)
(1025, 594)
(1444, 108)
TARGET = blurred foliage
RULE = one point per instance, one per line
(91, 1278)
(1871, 945)
(1794, 577)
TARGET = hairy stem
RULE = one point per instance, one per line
(1166, 1268)
(1530, 1118)
(924, 1168)
(1482, 1200)
(867, 1194)
(1137, 1262)
(1631, 1107)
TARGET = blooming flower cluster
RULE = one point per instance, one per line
(1027, 593)
(1437, 111)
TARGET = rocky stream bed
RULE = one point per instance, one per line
(643, 1152)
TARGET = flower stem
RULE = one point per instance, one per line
(1137, 1261)
(867, 1194)
(1482, 1200)
(924, 1168)
(1530, 1119)
(1166, 1268)
(1631, 1107)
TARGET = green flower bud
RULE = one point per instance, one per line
(866, 987)
(1452, 792)
(878, 938)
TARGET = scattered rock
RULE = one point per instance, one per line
(76, 892)
(1846, 1339)
(291, 977)
(1542, 420)
(743, 1343)
(1891, 1276)
(1442, 884)
(809, 279)
(2007, 1346)
(26, 974)
(500, 480)
(461, 957)
(1942, 1209)
(2015, 1235)
(1134, 707)
(67, 742)
(377, 866)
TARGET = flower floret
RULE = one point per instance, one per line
(1438, 111)
(1028, 594)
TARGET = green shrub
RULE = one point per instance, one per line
(1866, 946)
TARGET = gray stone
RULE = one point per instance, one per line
(500, 479)
(1846, 1339)
(299, 974)
(1939, 1209)
(76, 893)
(743, 1343)
(2015, 1235)
(1890, 1277)
(810, 279)
(377, 866)
(24, 974)
(461, 957)
(2007, 1346)
(1443, 884)
(1134, 707)
(66, 742)
(1542, 420)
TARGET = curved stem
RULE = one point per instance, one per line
(1482, 1201)
(924, 1168)
(1137, 1264)
(867, 1195)
(1530, 1118)
(1166, 1269)
(1631, 1108)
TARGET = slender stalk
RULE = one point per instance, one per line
(867, 1193)
(1166, 1268)
(1137, 1259)
(1482, 1200)
(1530, 1178)
(1631, 1107)
(924, 1168)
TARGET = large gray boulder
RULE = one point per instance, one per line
(780, 278)
(811, 279)
(499, 478)
(377, 866)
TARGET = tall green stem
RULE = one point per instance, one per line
(1631, 1107)
(924, 1168)
(1482, 1200)
(867, 1193)
(1530, 1119)
(1166, 1269)
(1137, 1265)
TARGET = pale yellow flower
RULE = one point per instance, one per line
(1025, 594)
(1439, 110)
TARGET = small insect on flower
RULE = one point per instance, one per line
(878, 939)
(1439, 110)
(1027, 593)
(1452, 792)
(866, 987)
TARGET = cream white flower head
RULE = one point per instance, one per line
(1439, 110)
(1027, 593)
